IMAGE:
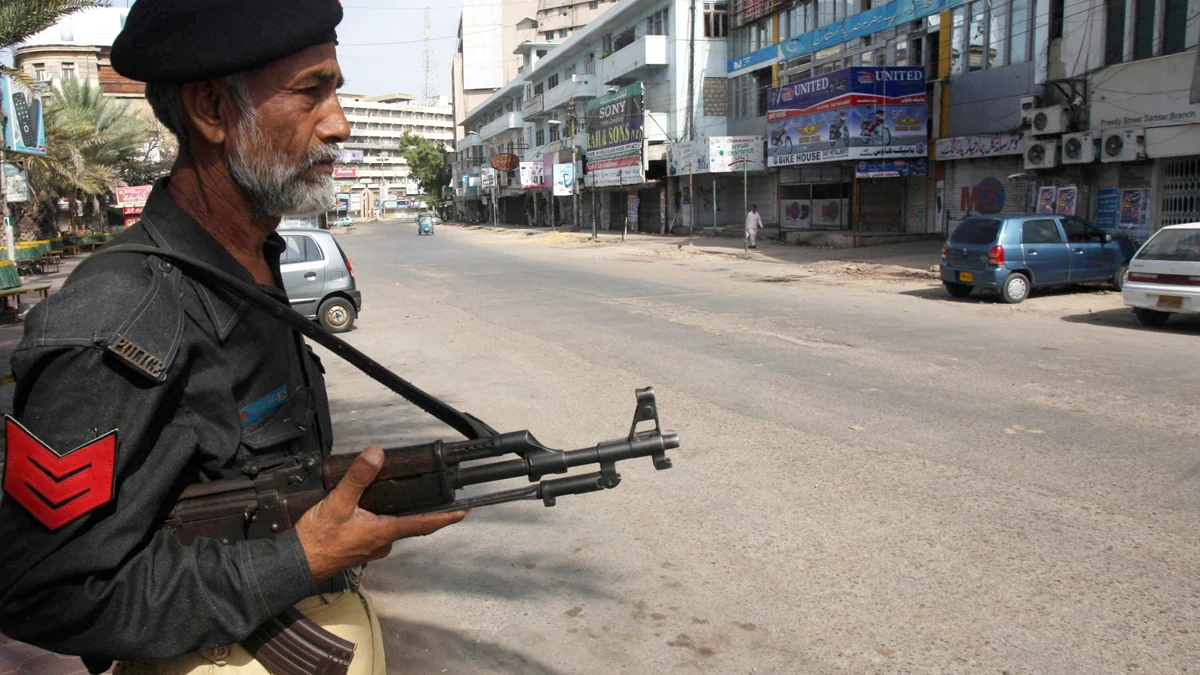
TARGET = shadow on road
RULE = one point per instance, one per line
(982, 296)
(420, 648)
(1182, 324)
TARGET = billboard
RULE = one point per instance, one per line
(345, 172)
(614, 138)
(350, 156)
(851, 114)
(133, 196)
(716, 154)
(564, 180)
(487, 178)
(16, 183)
(24, 127)
(532, 176)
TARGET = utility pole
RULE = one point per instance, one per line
(576, 179)
(690, 127)
(429, 91)
(8, 225)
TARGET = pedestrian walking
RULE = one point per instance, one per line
(753, 222)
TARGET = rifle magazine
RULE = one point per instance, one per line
(292, 644)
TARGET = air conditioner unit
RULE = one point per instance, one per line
(1028, 103)
(1123, 145)
(1041, 154)
(1080, 148)
(1050, 121)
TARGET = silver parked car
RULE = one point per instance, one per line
(319, 279)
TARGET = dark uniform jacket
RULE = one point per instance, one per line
(197, 386)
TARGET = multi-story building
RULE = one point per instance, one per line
(78, 47)
(489, 32)
(633, 62)
(371, 168)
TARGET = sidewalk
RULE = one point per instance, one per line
(916, 255)
(17, 658)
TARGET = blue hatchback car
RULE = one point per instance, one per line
(1014, 254)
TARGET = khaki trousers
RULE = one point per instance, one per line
(349, 615)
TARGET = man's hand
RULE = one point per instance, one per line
(337, 535)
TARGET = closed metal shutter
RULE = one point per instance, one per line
(881, 205)
(918, 193)
(1179, 195)
(976, 186)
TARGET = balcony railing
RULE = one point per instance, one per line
(634, 61)
(501, 124)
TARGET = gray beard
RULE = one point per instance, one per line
(273, 187)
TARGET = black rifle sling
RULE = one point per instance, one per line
(464, 423)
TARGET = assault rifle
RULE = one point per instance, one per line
(413, 479)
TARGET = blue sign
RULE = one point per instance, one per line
(24, 125)
(1108, 208)
(892, 168)
(854, 113)
(859, 25)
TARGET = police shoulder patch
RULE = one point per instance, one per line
(57, 488)
(138, 357)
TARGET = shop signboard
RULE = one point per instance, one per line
(892, 168)
(985, 145)
(487, 178)
(532, 176)
(564, 180)
(615, 140)
(1144, 93)
(347, 156)
(24, 125)
(681, 157)
(1108, 208)
(345, 172)
(881, 17)
(133, 196)
(850, 114)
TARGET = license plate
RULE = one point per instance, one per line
(1170, 301)
(966, 276)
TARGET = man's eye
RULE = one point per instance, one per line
(311, 91)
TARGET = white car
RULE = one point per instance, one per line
(1164, 275)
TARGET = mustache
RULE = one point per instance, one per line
(322, 154)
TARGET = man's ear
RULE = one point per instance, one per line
(208, 108)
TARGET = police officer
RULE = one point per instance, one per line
(135, 381)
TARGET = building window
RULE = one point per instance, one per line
(1056, 19)
(656, 23)
(562, 33)
(550, 36)
(1175, 26)
(800, 19)
(68, 71)
(39, 72)
(552, 81)
(998, 35)
(1143, 29)
(589, 64)
(1019, 42)
(553, 132)
(977, 41)
(902, 53)
(540, 137)
(1114, 32)
(916, 52)
(958, 35)
(594, 4)
(716, 19)
(537, 89)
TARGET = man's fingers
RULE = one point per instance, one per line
(402, 527)
(344, 497)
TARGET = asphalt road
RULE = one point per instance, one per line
(870, 481)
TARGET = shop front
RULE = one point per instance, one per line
(729, 175)
(980, 174)
(850, 149)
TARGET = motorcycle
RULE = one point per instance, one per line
(839, 132)
(876, 130)
(782, 141)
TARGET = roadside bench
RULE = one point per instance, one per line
(43, 290)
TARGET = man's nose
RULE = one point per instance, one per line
(334, 128)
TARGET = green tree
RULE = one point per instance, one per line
(88, 136)
(429, 164)
(21, 19)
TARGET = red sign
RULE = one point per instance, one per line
(345, 172)
(505, 162)
(133, 196)
(131, 210)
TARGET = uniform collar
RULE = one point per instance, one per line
(174, 229)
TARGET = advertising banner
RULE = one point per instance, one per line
(681, 157)
(548, 161)
(16, 183)
(1135, 213)
(487, 178)
(795, 214)
(735, 153)
(830, 212)
(1046, 199)
(564, 180)
(345, 172)
(471, 186)
(350, 156)
(850, 114)
(1067, 199)
(532, 176)
(892, 168)
(24, 126)
(632, 203)
(615, 139)
(1108, 208)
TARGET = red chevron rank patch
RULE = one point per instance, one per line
(58, 488)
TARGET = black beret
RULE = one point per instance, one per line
(177, 41)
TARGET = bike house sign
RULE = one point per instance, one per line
(850, 114)
(615, 139)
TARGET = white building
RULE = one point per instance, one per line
(635, 42)
(371, 167)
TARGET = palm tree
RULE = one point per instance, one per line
(87, 136)
(21, 19)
